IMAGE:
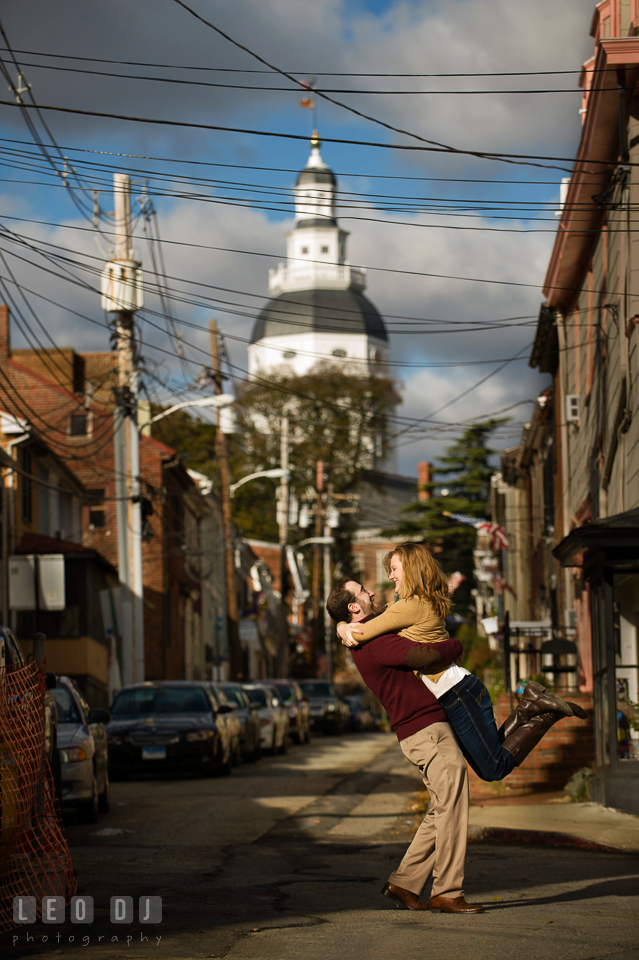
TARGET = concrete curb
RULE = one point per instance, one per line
(539, 838)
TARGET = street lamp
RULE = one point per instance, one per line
(221, 400)
(278, 473)
(326, 541)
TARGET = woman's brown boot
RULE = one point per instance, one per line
(535, 700)
(528, 734)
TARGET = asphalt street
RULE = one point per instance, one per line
(286, 859)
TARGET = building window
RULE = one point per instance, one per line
(78, 425)
(289, 354)
(324, 249)
(339, 352)
(27, 487)
(304, 250)
(97, 513)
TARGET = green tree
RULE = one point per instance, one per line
(337, 418)
(464, 472)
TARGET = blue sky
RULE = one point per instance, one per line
(353, 36)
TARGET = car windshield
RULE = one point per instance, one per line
(259, 696)
(149, 701)
(235, 696)
(284, 692)
(68, 711)
(314, 688)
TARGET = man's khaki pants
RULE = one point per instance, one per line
(439, 846)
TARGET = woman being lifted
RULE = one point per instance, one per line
(418, 613)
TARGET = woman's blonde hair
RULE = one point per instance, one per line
(422, 576)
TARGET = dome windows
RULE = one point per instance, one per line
(339, 352)
(324, 249)
(304, 251)
(289, 354)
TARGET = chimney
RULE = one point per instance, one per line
(5, 338)
(423, 476)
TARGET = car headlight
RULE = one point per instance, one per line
(292, 711)
(330, 706)
(71, 754)
(199, 735)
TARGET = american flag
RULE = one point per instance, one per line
(502, 584)
(497, 534)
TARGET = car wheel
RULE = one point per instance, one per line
(307, 738)
(104, 800)
(284, 747)
(237, 753)
(256, 753)
(87, 810)
(273, 748)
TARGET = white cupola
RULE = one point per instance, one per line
(317, 312)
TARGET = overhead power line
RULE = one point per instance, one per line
(306, 72)
(243, 166)
(522, 159)
(179, 81)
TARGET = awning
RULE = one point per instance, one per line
(618, 531)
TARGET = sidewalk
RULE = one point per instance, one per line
(549, 820)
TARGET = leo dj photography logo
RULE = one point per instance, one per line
(81, 910)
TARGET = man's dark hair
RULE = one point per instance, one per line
(338, 601)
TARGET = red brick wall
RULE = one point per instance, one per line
(40, 388)
(566, 747)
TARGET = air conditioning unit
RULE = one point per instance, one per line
(572, 408)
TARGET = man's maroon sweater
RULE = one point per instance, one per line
(406, 699)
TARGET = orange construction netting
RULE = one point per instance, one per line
(34, 855)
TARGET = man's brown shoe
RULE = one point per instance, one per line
(404, 898)
(454, 905)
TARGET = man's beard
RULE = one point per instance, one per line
(372, 610)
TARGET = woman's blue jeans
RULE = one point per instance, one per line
(470, 713)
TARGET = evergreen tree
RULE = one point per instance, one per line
(464, 473)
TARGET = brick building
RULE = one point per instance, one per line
(577, 471)
(66, 397)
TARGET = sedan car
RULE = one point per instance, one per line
(328, 711)
(229, 718)
(250, 736)
(168, 726)
(360, 716)
(273, 717)
(84, 755)
(296, 705)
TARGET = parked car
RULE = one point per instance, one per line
(11, 655)
(231, 720)
(168, 726)
(273, 717)
(328, 711)
(360, 716)
(297, 707)
(84, 753)
(248, 716)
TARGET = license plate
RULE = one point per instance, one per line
(154, 753)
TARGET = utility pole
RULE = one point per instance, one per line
(327, 589)
(122, 294)
(317, 554)
(283, 505)
(232, 615)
